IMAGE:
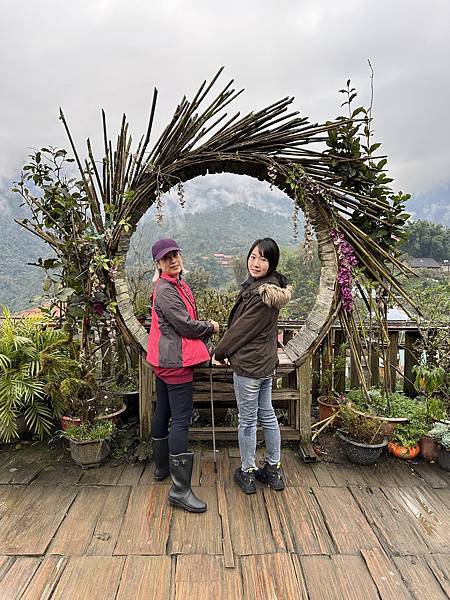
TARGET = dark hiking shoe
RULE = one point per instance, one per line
(271, 475)
(245, 480)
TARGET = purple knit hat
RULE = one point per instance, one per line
(163, 247)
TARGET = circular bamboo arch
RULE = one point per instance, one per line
(271, 145)
(322, 314)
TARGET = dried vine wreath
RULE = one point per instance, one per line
(337, 191)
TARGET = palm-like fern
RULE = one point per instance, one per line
(33, 360)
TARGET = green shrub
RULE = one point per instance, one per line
(99, 430)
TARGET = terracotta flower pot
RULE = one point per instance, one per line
(68, 421)
(326, 408)
(401, 452)
(429, 450)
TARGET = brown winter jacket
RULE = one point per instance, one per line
(250, 342)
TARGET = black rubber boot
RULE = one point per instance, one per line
(181, 494)
(161, 458)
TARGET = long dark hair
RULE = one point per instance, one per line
(269, 249)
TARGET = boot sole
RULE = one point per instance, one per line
(159, 478)
(188, 508)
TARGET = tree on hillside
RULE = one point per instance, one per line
(427, 239)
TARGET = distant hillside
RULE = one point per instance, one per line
(432, 206)
(19, 282)
(229, 230)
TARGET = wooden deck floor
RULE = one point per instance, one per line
(336, 532)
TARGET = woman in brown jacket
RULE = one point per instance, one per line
(250, 345)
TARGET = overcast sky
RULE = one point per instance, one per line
(91, 54)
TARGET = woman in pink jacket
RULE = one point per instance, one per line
(176, 343)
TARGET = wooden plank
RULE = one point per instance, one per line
(75, 534)
(145, 397)
(440, 565)
(432, 475)
(131, 474)
(337, 577)
(296, 472)
(18, 576)
(388, 521)
(89, 577)
(303, 523)
(354, 578)
(304, 390)
(145, 578)
(280, 538)
(346, 523)
(344, 475)
(146, 525)
(30, 524)
(197, 533)
(322, 474)
(203, 577)
(59, 474)
(385, 575)
(109, 522)
(419, 578)
(23, 465)
(270, 576)
(108, 474)
(428, 515)
(45, 579)
(444, 496)
(208, 476)
(227, 546)
(250, 528)
(5, 564)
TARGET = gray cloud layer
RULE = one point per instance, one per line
(90, 54)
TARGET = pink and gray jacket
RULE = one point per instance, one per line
(176, 335)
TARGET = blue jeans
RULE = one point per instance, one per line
(254, 401)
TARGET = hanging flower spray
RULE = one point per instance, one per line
(347, 262)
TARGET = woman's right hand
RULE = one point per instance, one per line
(215, 324)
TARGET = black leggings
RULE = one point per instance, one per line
(173, 400)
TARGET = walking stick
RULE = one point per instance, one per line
(211, 393)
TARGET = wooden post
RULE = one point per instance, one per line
(374, 365)
(339, 374)
(315, 375)
(354, 376)
(304, 390)
(145, 397)
(393, 362)
(411, 338)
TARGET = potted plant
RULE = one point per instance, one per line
(90, 442)
(441, 435)
(405, 439)
(428, 380)
(362, 439)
